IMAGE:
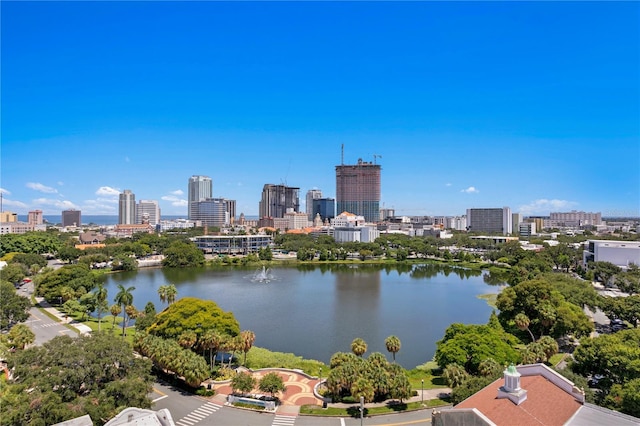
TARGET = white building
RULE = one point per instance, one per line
(349, 227)
(165, 225)
(526, 229)
(459, 223)
(296, 220)
(149, 211)
(620, 253)
(200, 188)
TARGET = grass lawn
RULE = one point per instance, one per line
(353, 411)
(489, 298)
(430, 373)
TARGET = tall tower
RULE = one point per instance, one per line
(312, 194)
(358, 189)
(200, 188)
(35, 217)
(127, 208)
(71, 218)
(276, 199)
(149, 211)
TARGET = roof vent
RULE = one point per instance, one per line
(511, 388)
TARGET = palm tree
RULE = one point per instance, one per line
(162, 292)
(455, 375)
(211, 340)
(101, 298)
(489, 367)
(132, 313)
(393, 345)
(358, 346)
(187, 339)
(20, 336)
(248, 337)
(172, 292)
(115, 311)
(124, 298)
(522, 322)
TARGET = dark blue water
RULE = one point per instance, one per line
(317, 312)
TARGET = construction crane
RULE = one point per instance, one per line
(376, 156)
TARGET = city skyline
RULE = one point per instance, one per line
(533, 106)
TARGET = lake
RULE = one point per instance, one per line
(315, 311)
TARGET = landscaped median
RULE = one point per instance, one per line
(371, 409)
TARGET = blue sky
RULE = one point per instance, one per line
(535, 106)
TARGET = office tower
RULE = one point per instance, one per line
(358, 189)
(127, 208)
(276, 199)
(490, 221)
(325, 207)
(231, 209)
(34, 217)
(575, 219)
(200, 188)
(312, 194)
(212, 212)
(71, 218)
(148, 211)
(516, 220)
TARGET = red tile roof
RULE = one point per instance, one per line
(546, 404)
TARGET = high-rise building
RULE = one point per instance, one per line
(231, 209)
(276, 199)
(575, 219)
(34, 217)
(148, 212)
(490, 221)
(71, 218)
(516, 220)
(312, 194)
(213, 212)
(325, 207)
(358, 189)
(127, 208)
(200, 188)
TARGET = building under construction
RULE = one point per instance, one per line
(358, 189)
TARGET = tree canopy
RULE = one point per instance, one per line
(181, 254)
(469, 345)
(76, 277)
(193, 314)
(69, 377)
(13, 307)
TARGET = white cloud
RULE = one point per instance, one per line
(471, 190)
(175, 201)
(98, 206)
(60, 183)
(61, 204)
(42, 188)
(544, 207)
(447, 184)
(107, 190)
(4, 191)
(177, 192)
(12, 203)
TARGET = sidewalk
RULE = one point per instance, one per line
(82, 329)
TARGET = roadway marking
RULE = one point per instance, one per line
(342, 422)
(198, 414)
(159, 398)
(283, 420)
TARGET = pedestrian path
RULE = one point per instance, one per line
(283, 420)
(198, 415)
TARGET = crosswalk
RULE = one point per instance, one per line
(281, 420)
(198, 414)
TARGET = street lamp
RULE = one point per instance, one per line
(422, 391)
(361, 409)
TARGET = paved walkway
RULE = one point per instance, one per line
(83, 329)
(299, 392)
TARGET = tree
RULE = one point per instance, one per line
(181, 254)
(243, 382)
(271, 383)
(13, 273)
(400, 387)
(522, 322)
(115, 310)
(190, 313)
(172, 292)
(455, 375)
(469, 345)
(363, 388)
(101, 302)
(124, 298)
(247, 337)
(20, 336)
(358, 346)
(489, 368)
(117, 379)
(187, 339)
(393, 345)
(13, 307)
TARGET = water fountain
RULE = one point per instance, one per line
(262, 275)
